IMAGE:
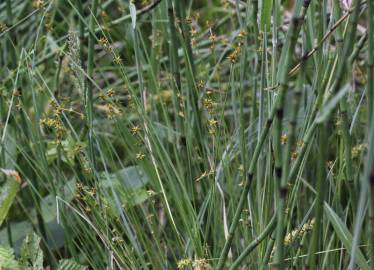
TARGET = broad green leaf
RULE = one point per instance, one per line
(55, 235)
(31, 253)
(130, 177)
(129, 185)
(70, 265)
(266, 15)
(344, 235)
(166, 133)
(7, 260)
(7, 196)
(48, 203)
(19, 231)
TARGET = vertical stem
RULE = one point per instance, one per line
(268, 252)
(279, 105)
(370, 98)
(174, 64)
(268, 230)
(243, 195)
(347, 148)
(343, 107)
(321, 163)
(263, 79)
(321, 176)
(90, 86)
(293, 33)
(81, 33)
(348, 45)
(370, 63)
(194, 116)
(371, 219)
(9, 48)
(181, 14)
(174, 46)
(256, 65)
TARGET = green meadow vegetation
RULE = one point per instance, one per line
(182, 134)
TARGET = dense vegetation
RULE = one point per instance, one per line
(181, 134)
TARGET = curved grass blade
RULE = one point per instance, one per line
(344, 235)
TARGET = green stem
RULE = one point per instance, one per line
(81, 33)
(258, 148)
(370, 98)
(257, 66)
(268, 230)
(371, 219)
(370, 63)
(268, 252)
(320, 189)
(174, 46)
(281, 171)
(90, 86)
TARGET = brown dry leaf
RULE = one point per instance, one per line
(15, 174)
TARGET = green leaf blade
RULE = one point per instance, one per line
(7, 196)
(344, 235)
(266, 15)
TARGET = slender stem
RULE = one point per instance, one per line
(256, 68)
(258, 148)
(320, 189)
(268, 252)
(263, 80)
(289, 148)
(81, 33)
(181, 13)
(174, 46)
(268, 230)
(325, 37)
(90, 86)
(370, 64)
(349, 39)
(9, 47)
(371, 219)
(281, 170)
(243, 196)
(345, 132)
(370, 98)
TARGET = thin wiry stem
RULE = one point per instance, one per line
(81, 33)
(258, 148)
(90, 86)
(370, 98)
(320, 189)
(282, 193)
(268, 230)
(370, 62)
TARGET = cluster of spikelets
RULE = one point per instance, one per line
(299, 233)
(199, 264)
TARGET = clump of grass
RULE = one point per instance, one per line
(189, 135)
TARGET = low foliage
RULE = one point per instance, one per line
(181, 134)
